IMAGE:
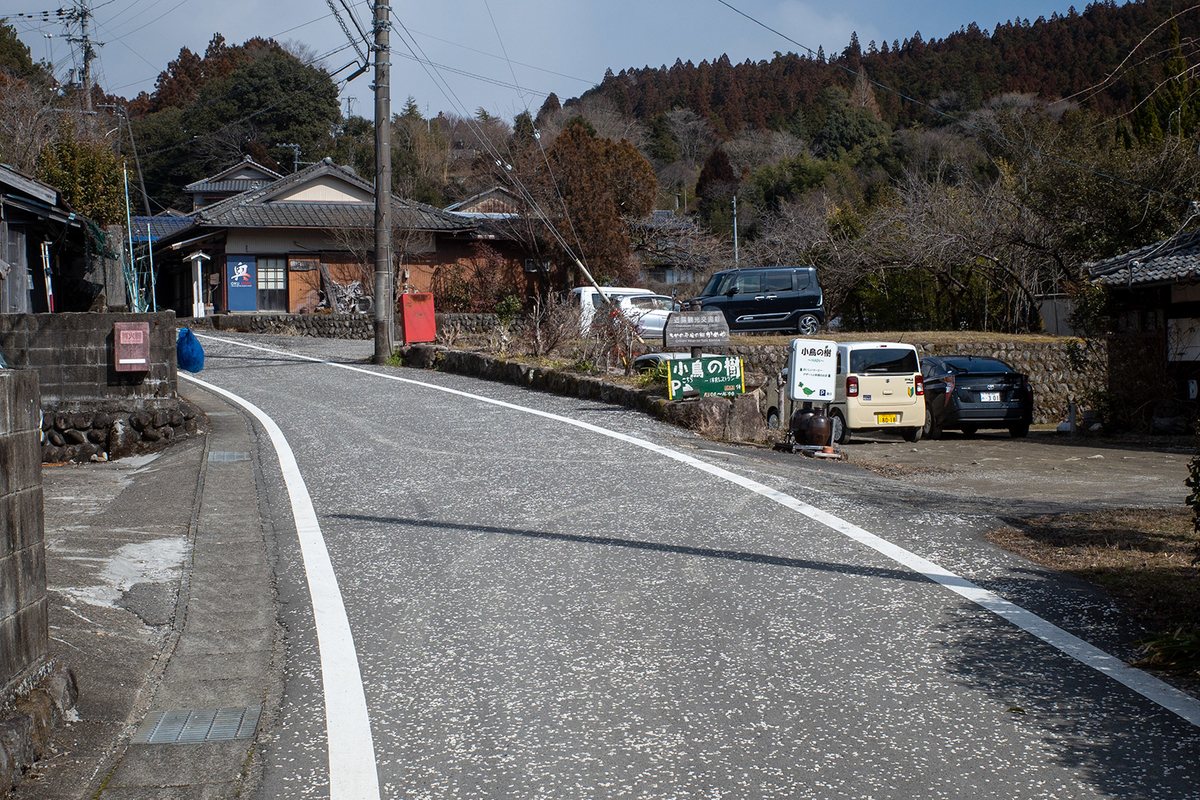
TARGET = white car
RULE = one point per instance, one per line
(648, 312)
(588, 300)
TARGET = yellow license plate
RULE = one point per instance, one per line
(887, 419)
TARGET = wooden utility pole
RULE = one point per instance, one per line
(384, 294)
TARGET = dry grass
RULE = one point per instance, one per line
(922, 337)
(1143, 558)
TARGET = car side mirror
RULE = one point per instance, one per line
(732, 291)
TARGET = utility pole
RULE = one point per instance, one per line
(384, 294)
(82, 14)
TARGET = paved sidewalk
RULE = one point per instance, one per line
(172, 694)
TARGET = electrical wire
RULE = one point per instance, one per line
(454, 100)
(538, 138)
(969, 125)
(504, 57)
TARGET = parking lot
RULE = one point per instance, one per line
(1085, 471)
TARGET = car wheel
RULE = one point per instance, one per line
(808, 324)
(930, 430)
(773, 419)
(970, 430)
(911, 434)
(841, 431)
(1019, 431)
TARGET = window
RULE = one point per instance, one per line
(749, 282)
(779, 281)
(885, 360)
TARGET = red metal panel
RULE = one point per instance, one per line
(131, 346)
(416, 318)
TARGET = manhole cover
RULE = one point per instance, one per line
(193, 727)
(227, 455)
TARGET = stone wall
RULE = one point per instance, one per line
(333, 326)
(1056, 382)
(734, 419)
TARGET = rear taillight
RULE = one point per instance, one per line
(920, 385)
(851, 386)
(949, 384)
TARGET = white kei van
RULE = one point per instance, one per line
(588, 300)
(879, 387)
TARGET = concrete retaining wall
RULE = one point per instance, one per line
(23, 631)
(90, 409)
(1056, 382)
(35, 692)
(73, 356)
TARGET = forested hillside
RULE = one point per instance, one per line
(1093, 57)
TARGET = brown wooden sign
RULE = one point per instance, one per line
(689, 329)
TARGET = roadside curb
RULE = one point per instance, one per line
(227, 647)
(736, 420)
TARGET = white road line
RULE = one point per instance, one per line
(352, 770)
(1165, 695)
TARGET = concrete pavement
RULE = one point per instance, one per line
(163, 603)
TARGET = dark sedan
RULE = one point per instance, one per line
(967, 393)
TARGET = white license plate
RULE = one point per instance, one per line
(989, 397)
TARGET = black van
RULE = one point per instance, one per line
(766, 299)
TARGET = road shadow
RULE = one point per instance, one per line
(658, 547)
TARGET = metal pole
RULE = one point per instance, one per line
(150, 250)
(735, 246)
(384, 294)
(131, 273)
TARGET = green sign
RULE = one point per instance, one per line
(712, 376)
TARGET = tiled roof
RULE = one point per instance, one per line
(237, 186)
(1168, 261)
(159, 226)
(207, 184)
(254, 209)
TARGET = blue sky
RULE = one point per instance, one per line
(560, 46)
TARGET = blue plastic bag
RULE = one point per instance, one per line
(188, 352)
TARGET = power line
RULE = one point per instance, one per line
(454, 100)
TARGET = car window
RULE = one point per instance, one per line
(779, 281)
(662, 303)
(802, 279)
(641, 302)
(749, 282)
(719, 284)
(983, 365)
(884, 361)
(598, 301)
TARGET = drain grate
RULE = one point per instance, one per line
(194, 727)
(227, 455)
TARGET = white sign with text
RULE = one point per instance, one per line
(812, 370)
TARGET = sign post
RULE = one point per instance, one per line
(812, 376)
(695, 330)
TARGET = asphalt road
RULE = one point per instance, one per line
(540, 610)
